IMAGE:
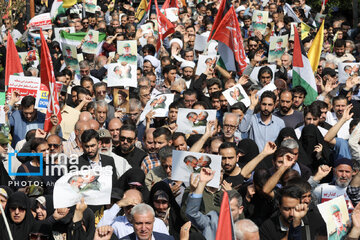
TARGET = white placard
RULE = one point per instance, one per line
(237, 94)
(193, 121)
(159, 104)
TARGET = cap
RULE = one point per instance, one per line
(334, 209)
(341, 161)
(3, 139)
(104, 133)
(4, 193)
(127, 45)
(328, 71)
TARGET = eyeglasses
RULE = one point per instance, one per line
(129, 140)
(229, 126)
(167, 166)
(54, 145)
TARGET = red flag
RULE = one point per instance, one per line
(225, 224)
(229, 34)
(13, 64)
(48, 79)
(223, 9)
(324, 2)
(170, 4)
(164, 25)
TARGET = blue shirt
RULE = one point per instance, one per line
(258, 130)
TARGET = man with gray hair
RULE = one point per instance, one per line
(142, 219)
(246, 229)
(101, 109)
(231, 122)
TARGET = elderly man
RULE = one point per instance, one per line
(123, 225)
(114, 129)
(75, 146)
(105, 140)
(230, 124)
(101, 110)
(246, 229)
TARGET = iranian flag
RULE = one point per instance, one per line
(231, 46)
(76, 38)
(302, 71)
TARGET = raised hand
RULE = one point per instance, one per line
(347, 115)
(289, 160)
(206, 175)
(126, 201)
(194, 182)
(103, 233)
(254, 99)
(270, 148)
(185, 230)
(323, 171)
(300, 211)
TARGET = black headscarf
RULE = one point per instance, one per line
(19, 231)
(250, 150)
(134, 175)
(4, 176)
(310, 137)
(175, 220)
(290, 132)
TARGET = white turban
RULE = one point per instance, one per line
(186, 63)
(178, 41)
(154, 61)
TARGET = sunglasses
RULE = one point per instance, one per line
(20, 209)
(129, 140)
(54, 145)
(38, 236)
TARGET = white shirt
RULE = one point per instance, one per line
(344, 130)
(122, 227)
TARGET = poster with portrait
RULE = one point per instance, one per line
(58, 30)
(121, 75)
(205, 62)
(90, 6)
(172, 14)
(185, 163)
(278, 46)
(94, 185)
(147, 30)
(336, 217)
(127, 51)
(121, 99)
(260, 20)
(194, 121)
(236, 94)
(346, 70)
(91, 42)
(23, 57)
(255, 72)
(159, 104)
(69, 53)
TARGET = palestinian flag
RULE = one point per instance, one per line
(302, 72)
(223, 9)
(76, 38)
(231, 47)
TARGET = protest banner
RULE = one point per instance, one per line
(192, 121)
(24, 85)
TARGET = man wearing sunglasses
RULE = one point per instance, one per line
(127, 148)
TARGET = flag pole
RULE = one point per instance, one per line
(6, 222)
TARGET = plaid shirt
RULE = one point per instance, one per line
(354, 194)
(149, 162)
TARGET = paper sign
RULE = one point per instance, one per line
(184, 163)
(70, 56)
(192, 121)
(147, 30)
(121, 99)
(159, 104)
(94, 185)
(259, 21)
(123, 75)
(346, 70)
(237, 94)
(41, 21)
(91, 42)
(205, 62)
(24, 85)
(90, 6)
(336, 217)
(278, 46)
(42, 98)
(200, 43)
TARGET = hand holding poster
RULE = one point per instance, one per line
(336, 217)
(237, 94)
(259, 20)
(123, 75)
(159, 104)
(94, 185)
(185, 163)
(205, 62)
(192, 121)
(91, 42)
(24, 85)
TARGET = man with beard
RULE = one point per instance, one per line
(127, 148)
(187, 68)
(343, 174)
(287, 223)
(340, 104)
(232, 172)
(92, 158)
(230, 125)
(262, 127)
(106, 148)
(290, 116)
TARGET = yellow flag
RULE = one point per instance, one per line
(141, 10)
(316, 47)
(305, 30)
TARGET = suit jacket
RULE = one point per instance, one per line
(105, 161)
(157, 236)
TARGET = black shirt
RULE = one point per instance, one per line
(134, 158)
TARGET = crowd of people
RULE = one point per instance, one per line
(280, 158)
